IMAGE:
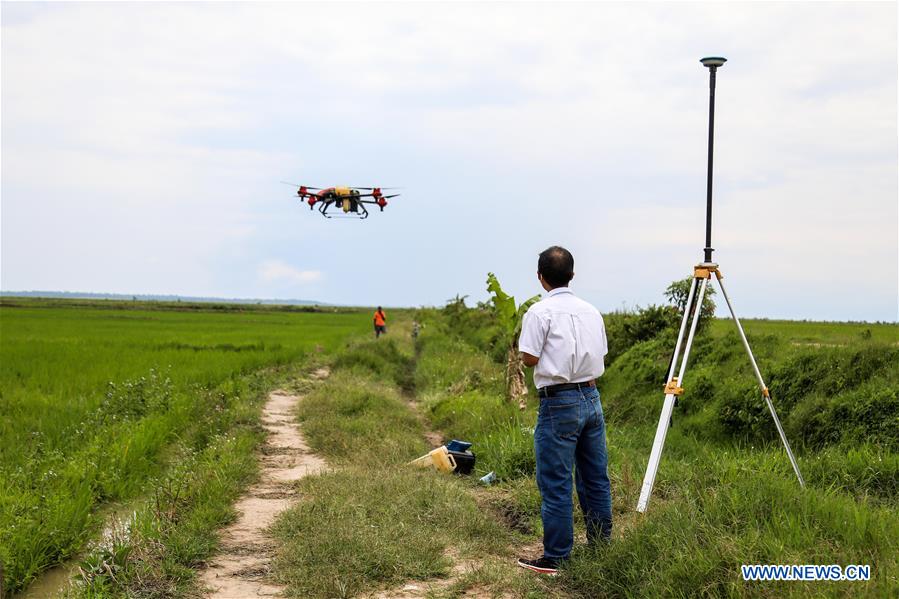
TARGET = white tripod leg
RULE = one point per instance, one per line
(683, 327)
(668, 407)
(765, 393)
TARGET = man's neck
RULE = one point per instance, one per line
(558, 290)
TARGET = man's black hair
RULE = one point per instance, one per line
(556, 264)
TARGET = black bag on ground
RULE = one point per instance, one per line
(464, 461)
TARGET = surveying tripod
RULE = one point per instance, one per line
(702, 274)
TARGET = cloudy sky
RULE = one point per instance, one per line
(143, 145)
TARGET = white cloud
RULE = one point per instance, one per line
(276, 271)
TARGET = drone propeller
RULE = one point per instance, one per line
(298, 185)
(374, 198)
(374, 188)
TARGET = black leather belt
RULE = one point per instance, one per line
(551, 390)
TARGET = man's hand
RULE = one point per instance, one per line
(529, 360)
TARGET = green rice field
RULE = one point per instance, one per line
(99, 398)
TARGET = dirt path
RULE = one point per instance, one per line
(241, 569)
(434, 438)
(417, 589)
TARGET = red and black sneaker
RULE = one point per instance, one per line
(542, 565)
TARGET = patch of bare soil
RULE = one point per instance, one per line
(415, 589)
(434, 438)
(241, 569)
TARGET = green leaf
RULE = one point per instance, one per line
(509, 315)
(520, 313)
(502, 301)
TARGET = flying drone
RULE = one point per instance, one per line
(351, 200)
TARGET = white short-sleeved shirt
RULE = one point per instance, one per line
(569, 337)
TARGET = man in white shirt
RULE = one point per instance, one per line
(564, 338)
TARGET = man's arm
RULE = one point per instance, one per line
(531, 338)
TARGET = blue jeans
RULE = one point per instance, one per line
(571, 432)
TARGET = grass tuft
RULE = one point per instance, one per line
(356, 529)
(351, 418)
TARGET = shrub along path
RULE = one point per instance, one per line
(241, 569)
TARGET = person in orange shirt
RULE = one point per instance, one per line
(380, 322)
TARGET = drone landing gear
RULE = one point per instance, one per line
(358, 205)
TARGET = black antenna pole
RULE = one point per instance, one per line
(712, 62)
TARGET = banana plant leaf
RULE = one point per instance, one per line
(508, 313)
(520, 314)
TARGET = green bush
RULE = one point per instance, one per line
(678, 292)
(743, 414)
(478, 326)
(626, 329)
(448, 364)
(824, 396)
(866, 414)
(631, 390)
(831, 371)
(700, 389)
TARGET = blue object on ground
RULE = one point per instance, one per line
(488, 478)
(456, 445)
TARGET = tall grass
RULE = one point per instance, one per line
(359, 529)
(728, 516)
(175, 529)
